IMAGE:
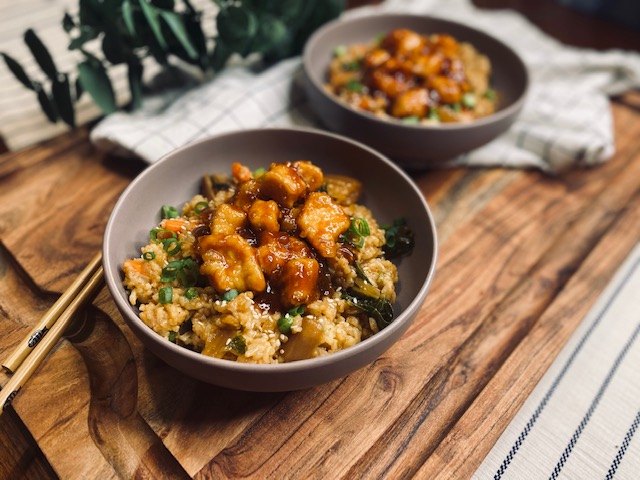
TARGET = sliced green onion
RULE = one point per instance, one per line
(360, 226)
(469, 100)
(148, 256)
(490, 94)
(295, 311)
(455, 107)
(379, 38)
(160, 234)
(354, 86)
(168, 211)
(230, 295)
(352, 66)
(434, 115)
(191, 293)
(200, 206)
(340, 50)
(259, 172)
(172, 336)
(412, 120)
(165, 295)
(170, 272)
(285, 323)
(171, 246)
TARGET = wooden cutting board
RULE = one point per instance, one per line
(523, 256)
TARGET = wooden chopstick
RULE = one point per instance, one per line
(26, 346)
(46, 343)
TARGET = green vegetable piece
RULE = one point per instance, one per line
(340, 50)
(352, 66)
(191, 293)
(490, 94)
(148, 256)
(171, 246)
(200, 207)
(354, 86)
(469, 100)
(167, 211)
(295, 311)
(356, 233)
(379, 38)
(456, 107)
(165, 295)
(230, 295)
(41, 54)
(172, 336)
(237, 345)
(284, 324)
(189, 273)
(412, 120)
(379, 309)
(360, 273)
(259, 172)
(433, 115)
(399, 239)
(94, 79)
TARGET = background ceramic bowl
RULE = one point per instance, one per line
(414, 146)
(388, 191)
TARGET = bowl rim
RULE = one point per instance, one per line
(496, 116)
(134, 320)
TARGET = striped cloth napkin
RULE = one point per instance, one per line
(566, 121)
(583, 417)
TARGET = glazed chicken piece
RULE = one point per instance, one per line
(276, 249)
(299, 281)
(402, 41)
(264, 215)
(312, 175)
(283, 184)
(227, 219)
(414, 102)
(321, 222)
(229, 262)
(447, 88)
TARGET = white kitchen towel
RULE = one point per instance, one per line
(582, 420)
(565, 122)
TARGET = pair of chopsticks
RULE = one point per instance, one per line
(33, 349)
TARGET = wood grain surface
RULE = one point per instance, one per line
(523, 257)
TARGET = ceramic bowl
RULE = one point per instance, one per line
(388, 191)
(413, 146)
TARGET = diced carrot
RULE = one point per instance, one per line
(240, 172)
(174, 224)
(135, 264)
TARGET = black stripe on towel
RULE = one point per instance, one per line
(623, 448)
(556, 381)
(594, 404)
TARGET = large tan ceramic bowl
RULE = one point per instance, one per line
(388, 191)
(413, 146)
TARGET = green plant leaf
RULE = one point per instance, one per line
(68, 23)
(221, 54)
(272, 32)
(236, 26)
(41, 54)
(175, 23)
(86, 34)
(18, 71)
(151, 14)
(90, 13)
(127, 16)
(78, 91)
(61, 90)
(134, 73)
(114, 50)
(46, 104)
(94, 79)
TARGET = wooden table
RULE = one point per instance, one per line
(523, 257)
